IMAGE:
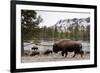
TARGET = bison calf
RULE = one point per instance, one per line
(47, 52)
(35, 53)
(34, 48)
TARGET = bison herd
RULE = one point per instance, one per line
(63, 46)
(36, 52)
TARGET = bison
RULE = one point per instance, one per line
(35, 53)
(47, 52)
(34, 48)
(68, 45)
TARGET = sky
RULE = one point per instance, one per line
(50, 17)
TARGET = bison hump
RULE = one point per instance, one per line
(67, 42)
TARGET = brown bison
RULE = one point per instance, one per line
(47, 52)
(34, 48)
(68, 45)
(35, 53)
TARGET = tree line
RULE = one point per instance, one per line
(31, 30)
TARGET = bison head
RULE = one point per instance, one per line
(55, 48)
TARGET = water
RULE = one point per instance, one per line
(44, 45)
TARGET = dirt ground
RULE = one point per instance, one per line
(53, 57)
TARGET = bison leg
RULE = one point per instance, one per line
(74, 54)
(62, 53)
(66, 54)
(81, 53)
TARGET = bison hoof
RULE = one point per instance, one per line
(73, 56)
(62, 54)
